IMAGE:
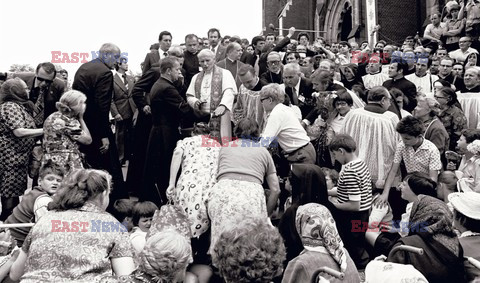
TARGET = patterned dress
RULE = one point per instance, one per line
(14, 152)
(199, 171)
(59, 252)
(454, 121)
(58, 145)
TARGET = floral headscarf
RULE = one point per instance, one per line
(318, 232)
(431, 218)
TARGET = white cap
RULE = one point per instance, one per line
(467, 203)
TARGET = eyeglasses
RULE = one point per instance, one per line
(273, 62)
(265, 98)
(44, 80)
(438, 97)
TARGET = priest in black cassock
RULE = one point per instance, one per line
(232, 62)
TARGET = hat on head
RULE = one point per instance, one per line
(452, 5)
(467, 203)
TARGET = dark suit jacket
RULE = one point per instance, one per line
(95, 80)
(168, 106)
(191, 66)
(55, 91)
(221, 53)
(248, 58)
(408, 89)
(305, 91)
(262, 62)
(143, 86)
(150, 59)
(122, 102)
(269, 77)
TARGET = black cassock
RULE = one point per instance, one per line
(168, 109)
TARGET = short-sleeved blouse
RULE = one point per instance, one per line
(74, 245)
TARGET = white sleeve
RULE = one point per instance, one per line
(40, 206)
(229, 88)
(191, 99)
(138, 241)
(272, 128)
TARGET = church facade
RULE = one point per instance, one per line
(351, 20)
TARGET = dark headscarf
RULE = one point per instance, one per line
(357, 80)
(430, 218)
(12, 91)
(308, 186)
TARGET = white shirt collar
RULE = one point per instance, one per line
(297, 87)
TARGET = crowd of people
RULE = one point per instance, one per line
(280, 159)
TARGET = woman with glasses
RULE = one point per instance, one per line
(451, 115)
(17, 133)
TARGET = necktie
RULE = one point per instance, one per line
(213, 49)
(294, 96)
(125, 80)
(165, 54)
(38, 112)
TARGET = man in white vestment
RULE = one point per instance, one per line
(373, 129)
(213, 91)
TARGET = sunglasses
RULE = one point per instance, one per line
(44, 80)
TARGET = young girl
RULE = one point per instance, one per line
(64, 129)
(142, 220)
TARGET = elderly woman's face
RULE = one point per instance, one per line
(422, 109)
(24, 89)
(80, 107)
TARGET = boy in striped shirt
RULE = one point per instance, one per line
(354, 198)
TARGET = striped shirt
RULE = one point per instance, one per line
(355, 184)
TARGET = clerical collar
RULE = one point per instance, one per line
(397, 79)
(470, 89)
(374, 73)
(231, 61)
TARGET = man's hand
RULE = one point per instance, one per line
(219, 111)
(118, 118)
(105, 146)
(291, 32)
(147, 110)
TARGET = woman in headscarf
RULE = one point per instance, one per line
(451, 114)
(430, 228)
(308, 185)
(349, 76)
(17, 133)
(323, 247)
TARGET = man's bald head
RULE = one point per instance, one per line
(109, 54)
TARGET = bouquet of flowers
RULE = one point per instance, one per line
(325, 99)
